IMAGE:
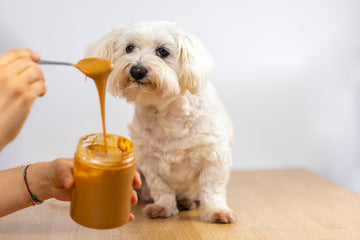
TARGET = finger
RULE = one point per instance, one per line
(137, 180)
(131, 217)
(30, 73)
(17, 66)
(35, 56)
(42, 92)
(134, 198)
(25, 64)
(64, 169)
(14, 54)
(68, 182)
(35, 78)
(37, 89)
(68, 165)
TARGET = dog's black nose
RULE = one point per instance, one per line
(138, 72)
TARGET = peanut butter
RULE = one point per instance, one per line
(104, 166)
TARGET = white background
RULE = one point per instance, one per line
(287, 71)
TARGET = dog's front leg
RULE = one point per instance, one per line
(213, 180)
(164, 198)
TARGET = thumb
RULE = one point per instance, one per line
(63, 173)
(68, 182)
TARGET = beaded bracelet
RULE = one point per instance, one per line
(34, 200)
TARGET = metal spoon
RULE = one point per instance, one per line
(54, 62)
(91, 67)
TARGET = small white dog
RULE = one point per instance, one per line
(182, 133)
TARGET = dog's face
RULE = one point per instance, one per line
(153, 62)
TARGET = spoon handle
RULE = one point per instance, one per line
(54, 62)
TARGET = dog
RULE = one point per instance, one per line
(183, 136)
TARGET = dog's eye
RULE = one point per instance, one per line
(129, 48)
(162, 52)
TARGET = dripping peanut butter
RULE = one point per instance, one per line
(99, 70)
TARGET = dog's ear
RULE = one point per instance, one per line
(106, 47)
(195, 63)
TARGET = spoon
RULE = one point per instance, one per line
(91, 67)
(54, 62)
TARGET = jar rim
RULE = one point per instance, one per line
(99, 158)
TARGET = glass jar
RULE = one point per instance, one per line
(101, 197)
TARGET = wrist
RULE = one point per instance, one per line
(38, 181)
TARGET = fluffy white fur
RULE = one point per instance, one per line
(182, 133)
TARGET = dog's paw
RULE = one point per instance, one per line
(223, 216)
(186, 204)
(157, 211)
(219, 216)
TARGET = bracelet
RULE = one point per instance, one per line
(34, 200)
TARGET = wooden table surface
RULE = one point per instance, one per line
(270, 204)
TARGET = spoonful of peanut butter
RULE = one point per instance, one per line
(98, 69)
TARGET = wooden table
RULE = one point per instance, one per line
(272, 204)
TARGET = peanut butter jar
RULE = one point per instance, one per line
(101, 198)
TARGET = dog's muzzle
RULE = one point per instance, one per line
(138, 73)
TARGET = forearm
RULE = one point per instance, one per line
(15, 195)
(13, 191)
